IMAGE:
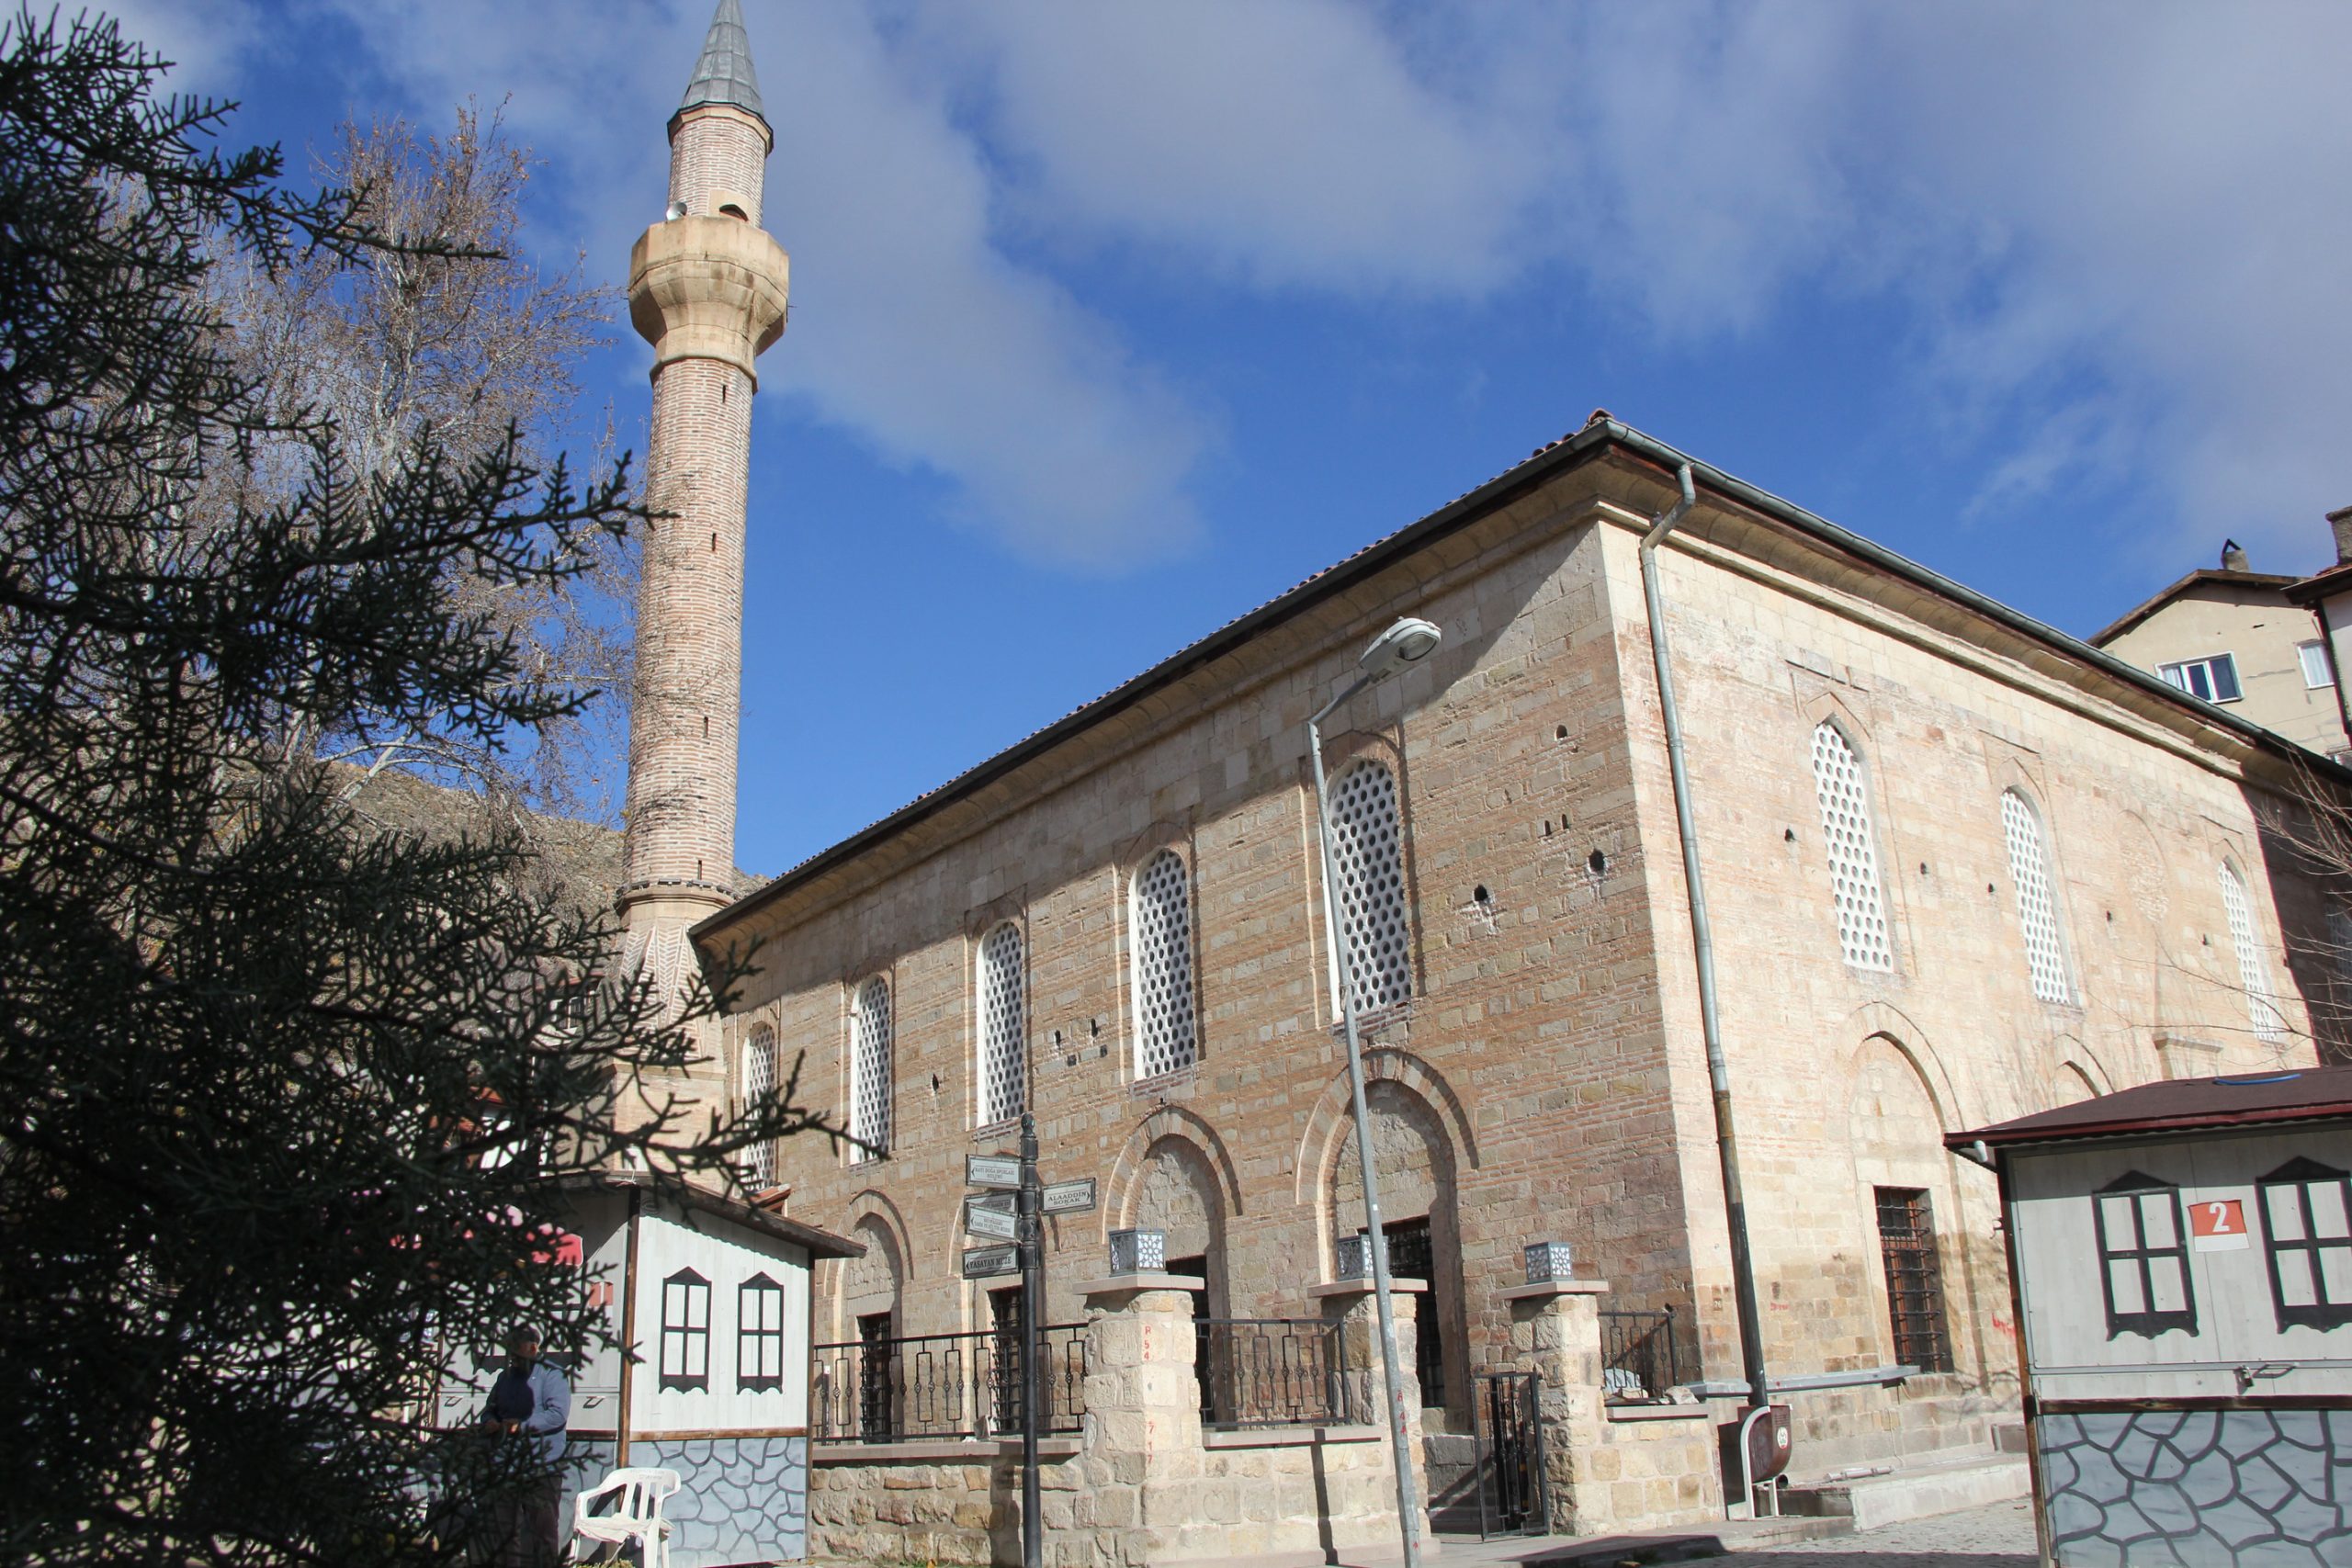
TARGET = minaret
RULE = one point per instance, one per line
(707, 289)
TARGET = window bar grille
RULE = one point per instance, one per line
(1366, 845)
(1166, 1039)
(1853, 851)
(870, 1045)
(1915, 1281)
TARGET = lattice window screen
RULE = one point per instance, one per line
(1162, 981)
(2260, 1006)
(1853, 854)
(2030, 870)
(759, 1082)
(1364, 841)
(1004, 1088)
(869, 1044)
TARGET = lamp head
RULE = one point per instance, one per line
(1410, 641)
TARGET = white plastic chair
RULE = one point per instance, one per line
(635, 1517)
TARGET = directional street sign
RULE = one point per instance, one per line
(995, 1202)
(989, 1222)
(988, 1262)
(1068, 1196)
(991, 1170)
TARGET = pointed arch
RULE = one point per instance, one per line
(1166, 1121)
(1327, 1120)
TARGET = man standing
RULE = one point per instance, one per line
(531, 1397)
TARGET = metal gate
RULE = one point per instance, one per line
(1510, 1456)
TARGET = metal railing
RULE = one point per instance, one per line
(1641, 1356)
(1273, 1372)
(942, 1385)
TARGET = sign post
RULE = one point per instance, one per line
(1033, 1295)
(1011, 1208)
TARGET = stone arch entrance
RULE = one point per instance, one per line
(1910, 1209)
(1414, 1160)
(864, 1372)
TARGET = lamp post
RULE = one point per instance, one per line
(1407, 642)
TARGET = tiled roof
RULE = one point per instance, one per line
(1600, 431)
(2237, 1099)
(724, 74)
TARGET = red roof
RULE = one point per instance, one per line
(2181, 1105)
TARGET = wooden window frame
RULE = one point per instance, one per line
(756, 1344)
(681, 1334)
(2298, 1176)
(2148, 1322)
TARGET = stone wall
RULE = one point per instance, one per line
(1607, 1470)
(1143, 1486)
(1546, 1081)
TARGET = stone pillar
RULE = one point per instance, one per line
(1555, 1333)
(1141, 1456)
(1349, 1304)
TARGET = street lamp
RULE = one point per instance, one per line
(1407, 643)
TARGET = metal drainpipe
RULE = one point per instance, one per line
(1702, 942)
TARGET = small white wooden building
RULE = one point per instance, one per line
(2181, 1253)
(713, 1295)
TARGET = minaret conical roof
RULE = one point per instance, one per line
(724, 75)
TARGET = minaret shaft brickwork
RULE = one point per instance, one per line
(707, 288)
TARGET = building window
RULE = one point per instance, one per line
(1370, 855)
(2144, 1257)
(686, 1331)
(1162, 976)
(870, 1070)
(759, 1334)
(1915, 1279)
(2318, 670)
(2213, 678)
(2261, 1008)
(2029, 873)
(2307, 1226)
(1853, 853)
(759, 1082)
(1004, 1085)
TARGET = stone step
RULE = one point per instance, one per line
(1914, 1491)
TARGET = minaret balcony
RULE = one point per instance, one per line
(707, 287)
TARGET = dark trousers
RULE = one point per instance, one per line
(529, 1528)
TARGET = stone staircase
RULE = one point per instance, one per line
(1915, 1489)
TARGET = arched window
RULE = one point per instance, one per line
(1162, 979)
(2253, 973)
(2045, 960)
(1853, 853)
(759, 1082)
(1364, 841)
(1004, 1088)
(869, 1049)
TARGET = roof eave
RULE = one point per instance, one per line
(2141, 1126)
(1545, 465)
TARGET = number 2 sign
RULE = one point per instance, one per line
(2217, 1225)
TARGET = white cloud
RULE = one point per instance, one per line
(2117, 231)
(910, 326)
(1287, 142)
(204, 40)
(2112, 234)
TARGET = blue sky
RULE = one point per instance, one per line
(1111, 322)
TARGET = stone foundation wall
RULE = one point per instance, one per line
(1145, 1484)
(1655, 1470)
(943, 1503)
